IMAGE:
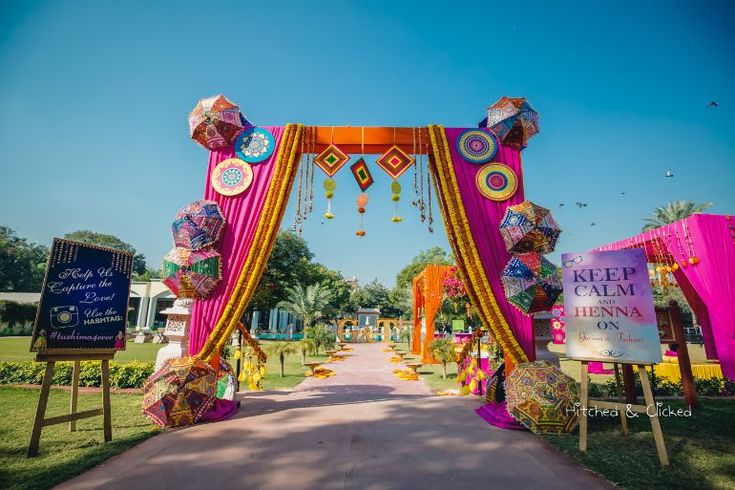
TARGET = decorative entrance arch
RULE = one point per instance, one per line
(470, 218)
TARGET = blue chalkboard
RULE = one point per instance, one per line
(84, 300)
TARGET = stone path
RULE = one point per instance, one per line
(362, 428)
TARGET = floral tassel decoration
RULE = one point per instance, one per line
(395, 188)
(329, 186)
(362, 201)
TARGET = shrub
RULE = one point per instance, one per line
(21, 314)
(122, 375)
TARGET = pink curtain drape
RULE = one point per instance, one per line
(708, 286)
(484, 218)
(242, 214)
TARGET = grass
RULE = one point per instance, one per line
(432, 373)
(293, 369)
(62, 454)
(701, 449)
(16, 349)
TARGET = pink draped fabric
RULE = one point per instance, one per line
(242, 214)
(497, 414)
(708, 286)
(220, 410)
(484, 218)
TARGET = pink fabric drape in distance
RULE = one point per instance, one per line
(242, 214)
(708, 286)
(484, 218)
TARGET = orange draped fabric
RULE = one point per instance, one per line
(428, 293)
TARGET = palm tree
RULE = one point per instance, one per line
(321, 335)
(673, 211)
(282, 349)
(443, 350)
(306, 303)
(306, 346)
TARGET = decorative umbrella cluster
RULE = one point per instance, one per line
(513, 121)
(193, 268)
(542, 398)
(530, 281)
(180, 392)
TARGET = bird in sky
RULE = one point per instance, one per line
(593, 224)
(622, 194)
(581, 205)
(561, 204)
(712, 103)
(669, 174)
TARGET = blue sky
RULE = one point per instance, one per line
(95, 96)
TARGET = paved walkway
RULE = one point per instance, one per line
(362, 428)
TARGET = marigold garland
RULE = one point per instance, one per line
(275, 205)
(463, 245)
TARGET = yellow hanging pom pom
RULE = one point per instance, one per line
(237, 354)
(464, 391)
(242, 378)
(473, 385)
(462, 377)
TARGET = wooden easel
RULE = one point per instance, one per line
(621, 407)
(41, 421)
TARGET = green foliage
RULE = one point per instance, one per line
(306, 346)
(13, 315)
(289, 257)
(104, 240)
(443, 351)
(22, 264)
(280, 350)
(673, 211)
(307, 303)
(435, 255)
(321, 335)
(392, 303)
(126, 375)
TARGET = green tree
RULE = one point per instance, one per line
(289, 258)
(435, 255)
(673, 211)
(306, 346)
(307, 303)
(111, 241)
(314, 272)
(393, 303)
(321, 335)
(22, 264)
(282, 349)
(443, 351)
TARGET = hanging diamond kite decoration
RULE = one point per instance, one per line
(362, 174)
(331, 160)
(395, 161)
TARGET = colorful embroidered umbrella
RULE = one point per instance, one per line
(180, 392)
(226, 381)
(512, 120)
(197, 225)
(528, 227)
(542, 398)
(531, 282)
(215, 122)
(191, 273)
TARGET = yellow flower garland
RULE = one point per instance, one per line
(265, 236)
(463, 245)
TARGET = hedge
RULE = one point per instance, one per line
(122, 375)
(664, 387)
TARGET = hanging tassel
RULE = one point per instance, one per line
(329, 186)
(362, 201)
(395, 188)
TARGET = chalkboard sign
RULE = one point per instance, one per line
(84, 301)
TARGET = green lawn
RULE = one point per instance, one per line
(432, 373)
(701, 449)
(62, 454)
(16, 349)
(294, 371)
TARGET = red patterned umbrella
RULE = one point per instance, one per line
(191, 273)
(215, 122)
(512, 120)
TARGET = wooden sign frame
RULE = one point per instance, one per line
(587, 403)
(63, 251)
